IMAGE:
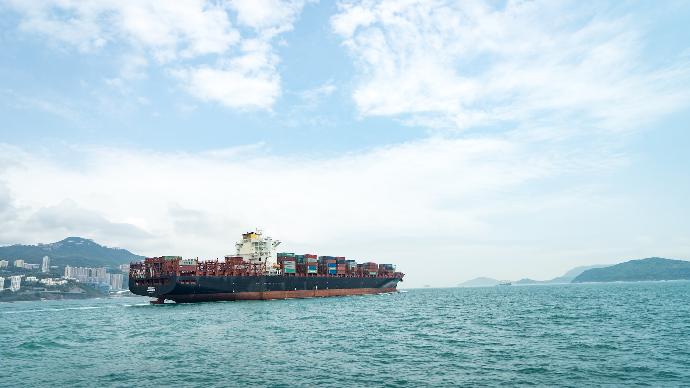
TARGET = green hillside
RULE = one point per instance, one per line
(73, 251)
(653, 268)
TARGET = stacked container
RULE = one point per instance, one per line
(327, 264)
(300, 259)
(370, 268)
(340, 265)
(312, 263)
(386, 269)
(287, 264)
(188, 266)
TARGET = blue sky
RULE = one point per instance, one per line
(505, 139)
(154, 112)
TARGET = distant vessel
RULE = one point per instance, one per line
(256, 271)
(504, 283)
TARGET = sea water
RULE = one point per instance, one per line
(565, 335)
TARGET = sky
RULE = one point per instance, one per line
(507, 139)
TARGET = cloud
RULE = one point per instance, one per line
(68, 218)
(314, 96)
(50, 104)
(194, 39)
(167, 29)
(427, 204)
(465, 65)
(270, 17)
(248, 81)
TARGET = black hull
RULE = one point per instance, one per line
(212, 288)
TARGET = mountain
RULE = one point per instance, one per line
(530, 281)
(573, 273)
(653, 268)
(73, 251)
(565, 278)
(479, 282)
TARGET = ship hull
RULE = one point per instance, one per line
(216, 288)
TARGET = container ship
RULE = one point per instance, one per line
(258, 272)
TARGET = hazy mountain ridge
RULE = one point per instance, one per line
(479, 282)
(649, 269)
(565, 278)
(74, 251)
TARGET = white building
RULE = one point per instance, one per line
(15, 283)
(4, 263)
(2, 283)
(117, 281)
(31, 279)
(124, 268)
(19, 263)
(87, 275)
(45, 267)
(53, 282)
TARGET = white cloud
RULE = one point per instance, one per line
(314, 96)
(168, 29)
(234, 70)
(443, 209)
(49, 104)
(247, 81)
(271, 17)
(469, 64)
(232, 87)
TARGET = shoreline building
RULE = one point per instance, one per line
(87, 275)
(117, 280)
(45, 266)
(4, 263)
(15, 283)
(2, 284)
(19, 263)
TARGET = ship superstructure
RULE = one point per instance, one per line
(256, 248)
(257, 271)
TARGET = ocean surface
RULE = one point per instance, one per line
(560, 335)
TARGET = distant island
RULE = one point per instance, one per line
(73, 268)
(563, 279)
(653, 268)
(649, 269)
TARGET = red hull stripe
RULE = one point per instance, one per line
(267, 295)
